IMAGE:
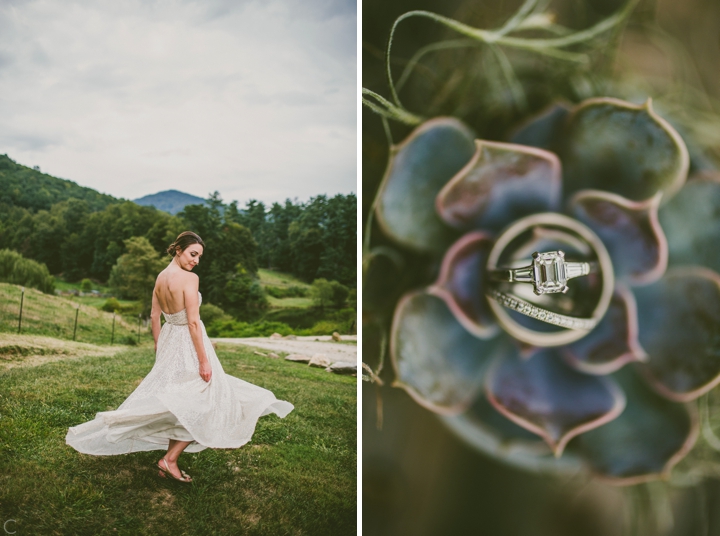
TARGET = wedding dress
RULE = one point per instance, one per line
(174, 402)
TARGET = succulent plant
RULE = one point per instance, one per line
(620, 400)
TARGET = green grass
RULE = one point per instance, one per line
(279, 279)
(284, 303)
(297, 476)
(54, 316)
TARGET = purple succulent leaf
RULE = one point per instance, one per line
(613, 343)
(546, 396)
(543, 130)
(649, 437)
(461, 281)
(679, 329)
(485, 428)
(629, 229)
(500, 184)
(624, 148)
(418, 168)
(691, 221)
(436, 360)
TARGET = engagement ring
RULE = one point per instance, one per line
(549, 272)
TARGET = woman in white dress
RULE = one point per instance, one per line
(186, 402)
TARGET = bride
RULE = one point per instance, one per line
(186, 402)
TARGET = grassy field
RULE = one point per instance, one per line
(296, 477)
(283, 280)
(54, 316)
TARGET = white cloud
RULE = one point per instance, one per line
(255, 99)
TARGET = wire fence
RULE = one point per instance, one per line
(31, 312)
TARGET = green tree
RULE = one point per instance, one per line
(16, 269)
(243, 295)
(339, 293)
(321, 292)
(134, 274)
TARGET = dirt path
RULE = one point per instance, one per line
(309, 346)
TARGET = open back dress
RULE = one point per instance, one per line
(174, 402)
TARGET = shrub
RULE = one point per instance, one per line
(86, 285)
(16, 269)
(209, 313)
(293, 291)
(111, 305)
(235, 328)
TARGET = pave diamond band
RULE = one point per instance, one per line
(533, 311)
(548, 273)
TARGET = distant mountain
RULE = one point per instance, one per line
(29, 188)
(170, 201)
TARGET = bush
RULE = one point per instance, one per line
(86, 285)
(111, 305)
(16, 269)
(209, 313)
(294, 291)
(234, 328)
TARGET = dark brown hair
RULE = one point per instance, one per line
(183, 241)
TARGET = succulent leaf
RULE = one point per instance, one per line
(502, 183)
(648, 438)
(547, 397)
(613, 343)
(436, 360)
(418, 168)
(623, 148)
(691, 221)
(629, 229)
(461, 281)
(543, 130)
(679, 329)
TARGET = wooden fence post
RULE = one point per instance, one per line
(22, 298)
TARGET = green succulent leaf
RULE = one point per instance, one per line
(629, 229)
(691, 221)
(435, 359)
(547, 397)
(623, 148)
(418, 169)
(679, 321)
(502, 183)
(461, 281)
(544, 130)
(648, 438)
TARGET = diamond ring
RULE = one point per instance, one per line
(538, 313)
(548, 273)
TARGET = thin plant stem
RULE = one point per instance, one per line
(548, 46)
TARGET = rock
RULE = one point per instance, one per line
(299, 358)
(276, 336)
(290, 337)
(259, 353)
(336, 336)
(320, 361)
(343, 368)
(273, 355)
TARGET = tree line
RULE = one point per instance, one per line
(79, 233)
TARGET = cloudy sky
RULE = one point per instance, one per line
(253, 98)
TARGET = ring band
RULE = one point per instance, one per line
(548, 273)
(533, 311)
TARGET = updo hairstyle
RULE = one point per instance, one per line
(184, 240)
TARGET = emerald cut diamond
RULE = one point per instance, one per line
(549, 274)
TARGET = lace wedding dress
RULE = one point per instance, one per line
(174, 402)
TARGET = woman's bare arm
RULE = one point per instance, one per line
(155, 316)
(192, 307)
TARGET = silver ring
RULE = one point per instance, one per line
(528, 309)
(548, 273)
